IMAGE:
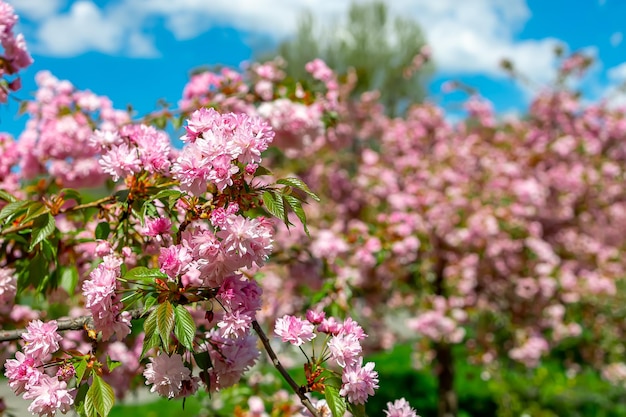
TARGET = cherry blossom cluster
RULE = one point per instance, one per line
(15, 56)
(26, 375)
(133, 149)
(103, 301)
(58, 141)
(219, 146)
(342, 347)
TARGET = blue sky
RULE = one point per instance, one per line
(139, 51)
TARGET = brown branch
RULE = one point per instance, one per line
(268, 348)
(97, 203)
(78, 323)
(109, 199)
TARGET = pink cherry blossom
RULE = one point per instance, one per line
(41, 339)
(294, 330)
(359, 382)
(166, 374)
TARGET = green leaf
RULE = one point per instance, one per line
(100, 398)
(149, 343)
(203, 360)
(274, 206)
(165, 321)
(69, 279)
(43, 226)
(167, 193)
(334, 382)
(261, 170)
(35, 210)
(296, 206)
(7, 197)
(80, 370)
(149, 302)
(185, 328)
(335, 402)
(102, 230)
(111, 364)
(13, 209)
(71, 194)
(122, 195)
(357, 410)
(299, 184)
(79, 400)
(37, 273)
(141, 273)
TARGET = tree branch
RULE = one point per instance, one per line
(77, 323)
(268, 348)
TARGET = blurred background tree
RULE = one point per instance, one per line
(388, 54)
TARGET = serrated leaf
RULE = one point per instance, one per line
(69, 279)
(274, 205)
(100, 398)
(79, 400)
(111, 364)
(296, 206)
(43, 226)
(80, 369)
(7, 197)
(102, 230)
(71, 194)
(13, 208)
(166, 193)
(149, 343)
(122, 195)
(149, 302)
(299, 184)
(141, 273)
(34, 210)
(185, 327)
(165, 321)
(333, 381)
(336, 403)
(37, 274)
(203, 360)
(261, 170)
(357, 410)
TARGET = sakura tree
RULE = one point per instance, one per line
(501, 235)
(126, 256)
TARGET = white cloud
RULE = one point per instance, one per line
(616, 39)
(466, 36)
(83, 28)
(618, 73)
(37, 9)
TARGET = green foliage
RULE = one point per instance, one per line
(376, 46)
(336, 402)
(279, 201)
(185, 327)
(99, 399)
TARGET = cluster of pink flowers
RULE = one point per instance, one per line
(218, 147)
(205, 256)
(344, 349)
(16, 56)
(26, 376)
(169, 376)
(104, 302)
(400, 408)
(58, 137)
(133, 149)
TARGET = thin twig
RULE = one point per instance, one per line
(77, 323)
(268, 348)
(109, 199)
